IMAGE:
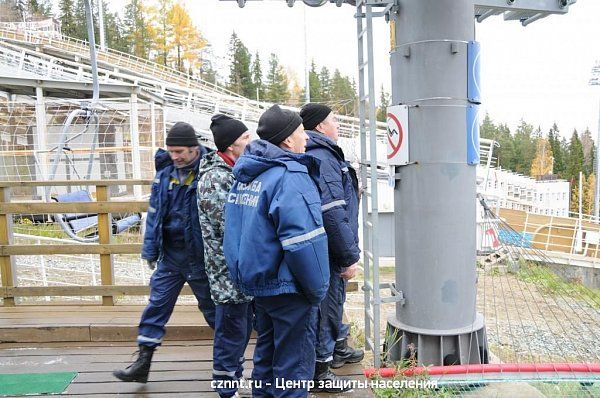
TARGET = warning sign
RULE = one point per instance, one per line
(397, 135)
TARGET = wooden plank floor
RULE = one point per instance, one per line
(180, 368)
(94, 340)
(53, 323)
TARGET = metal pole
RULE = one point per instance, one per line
(434, 201)
(580, 196)
(306, 67)
(41, 143)
(579, 243)
(101, 23)
(597, 160)
(135, 144)
(595, 81)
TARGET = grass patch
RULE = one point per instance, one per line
(401, 386)
(567, 389)
(406, 389)
(357, 335)
(551, 283)
(26, 227)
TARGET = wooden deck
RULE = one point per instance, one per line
(95, 340)
(86, 323)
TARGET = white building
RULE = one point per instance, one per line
(519, 192)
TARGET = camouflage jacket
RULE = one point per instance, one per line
(215, 179)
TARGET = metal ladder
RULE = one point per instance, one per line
(368, 171)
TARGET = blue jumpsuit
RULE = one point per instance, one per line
(339, 202)
(173, 238)
(276, 250)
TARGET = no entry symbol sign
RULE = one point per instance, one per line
(397, 135)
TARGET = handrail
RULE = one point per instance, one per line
(105, 248)
(83, 46)
(557, 235)
(208, 99)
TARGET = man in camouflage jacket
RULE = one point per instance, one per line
(233, 320)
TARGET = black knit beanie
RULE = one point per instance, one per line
(312, 114)
(226, 130)
(276, 124)
(182, 134)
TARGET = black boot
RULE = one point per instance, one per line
(344, 354)
(137, 371)
(327, 381)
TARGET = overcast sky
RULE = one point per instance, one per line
(539, 73)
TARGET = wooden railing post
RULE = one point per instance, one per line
(6, 266)
(104, 237)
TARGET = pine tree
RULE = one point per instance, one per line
(277, 82)
(67, 17)
(487, 129)
(80, 18)
(384, 102)
(325, 85)
(115, 37)
(40, 8)
(342, 94)
(257, 78)
(542, 163)
(589, 151)
(575, 156)
(524, 148)
(507, 151)
(137, 30)
(207, 72)
(240, 77)
(20, 7)
(314, 83)
(557, 151)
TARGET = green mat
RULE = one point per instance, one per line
(35, 383)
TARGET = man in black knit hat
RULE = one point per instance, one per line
(276, 250)
(339, 199)
(173, 245)
(233, 321)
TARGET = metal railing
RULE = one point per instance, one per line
(180, 90)
(115, 58)
(566, 240)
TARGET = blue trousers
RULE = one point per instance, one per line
(233, 326)
(285, 347)
(331, 312)
(344, 329)
(165, 285)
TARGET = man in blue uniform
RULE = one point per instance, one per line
(172, 244)
(339, 196)
(276, 250)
